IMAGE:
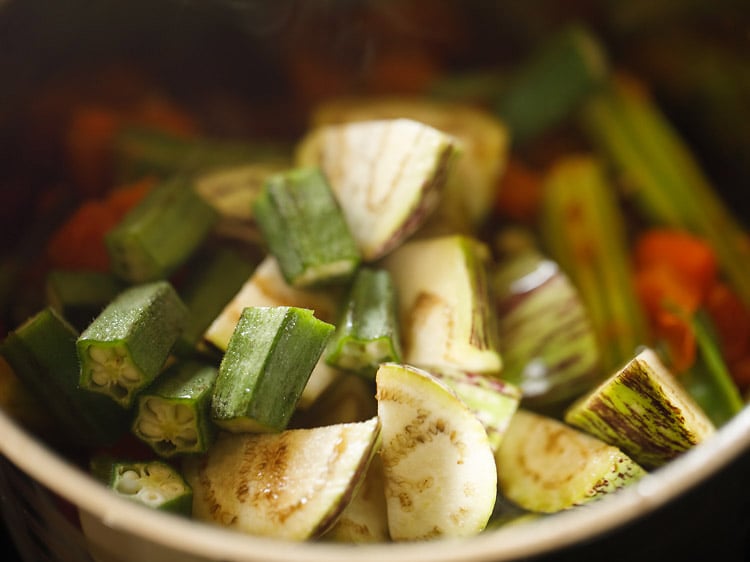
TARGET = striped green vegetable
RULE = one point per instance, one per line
(583, 231)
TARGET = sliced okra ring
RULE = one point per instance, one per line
(173, 415)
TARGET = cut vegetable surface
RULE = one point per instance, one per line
(440, 475)
(643, 410)
(126, 346)
(154, 484)
(546, 466)
(173, 416)
(447, 321)
(291, 485)
(387, 176)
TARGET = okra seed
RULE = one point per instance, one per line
(130, 482)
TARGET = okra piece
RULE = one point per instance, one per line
(173, 416)
(155, 483)
(662, 175)
(583, 231)
(212, 283)
(79, 295)
(305, 228)
(268, 361)
(367, 333)
(160, 233)
(141, 151)
(42, 353)
(551, 85)
(126, 346)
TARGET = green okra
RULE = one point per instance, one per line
(367, 332)
(268, 361)
(127, 345)
(173, 415)
(160, 233)
(211, 284)
(583, 231)
(305, 228)
(153, 483)
(141, 151)
(662, 175)
(42, 353)
(552, 84)
(79, 295)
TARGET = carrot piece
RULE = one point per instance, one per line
(677, 333)
(519, 192)
(157, 111)
(88, 143)
(79, 242)
(731, 321)
(660, 288)
(690, 257)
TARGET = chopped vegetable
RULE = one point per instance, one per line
(643, 410)
(367, 333)
(42, 353)
(160, 233)
(386, 175)
(440, 476)
(129, 342)
(173, 415)
(266, 365)
(546, 466)
(583, 230)
(292, 485)
(305, 229)
(446, 320)
(154, 484)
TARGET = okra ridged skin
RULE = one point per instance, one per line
(173, 416)
(79, 295)
(305, 228)
(160, 233)
(367, 333)
(126, 346)
(42, 353)
(267, 363)
(210, 286)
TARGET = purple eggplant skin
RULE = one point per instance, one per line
(548, 345)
